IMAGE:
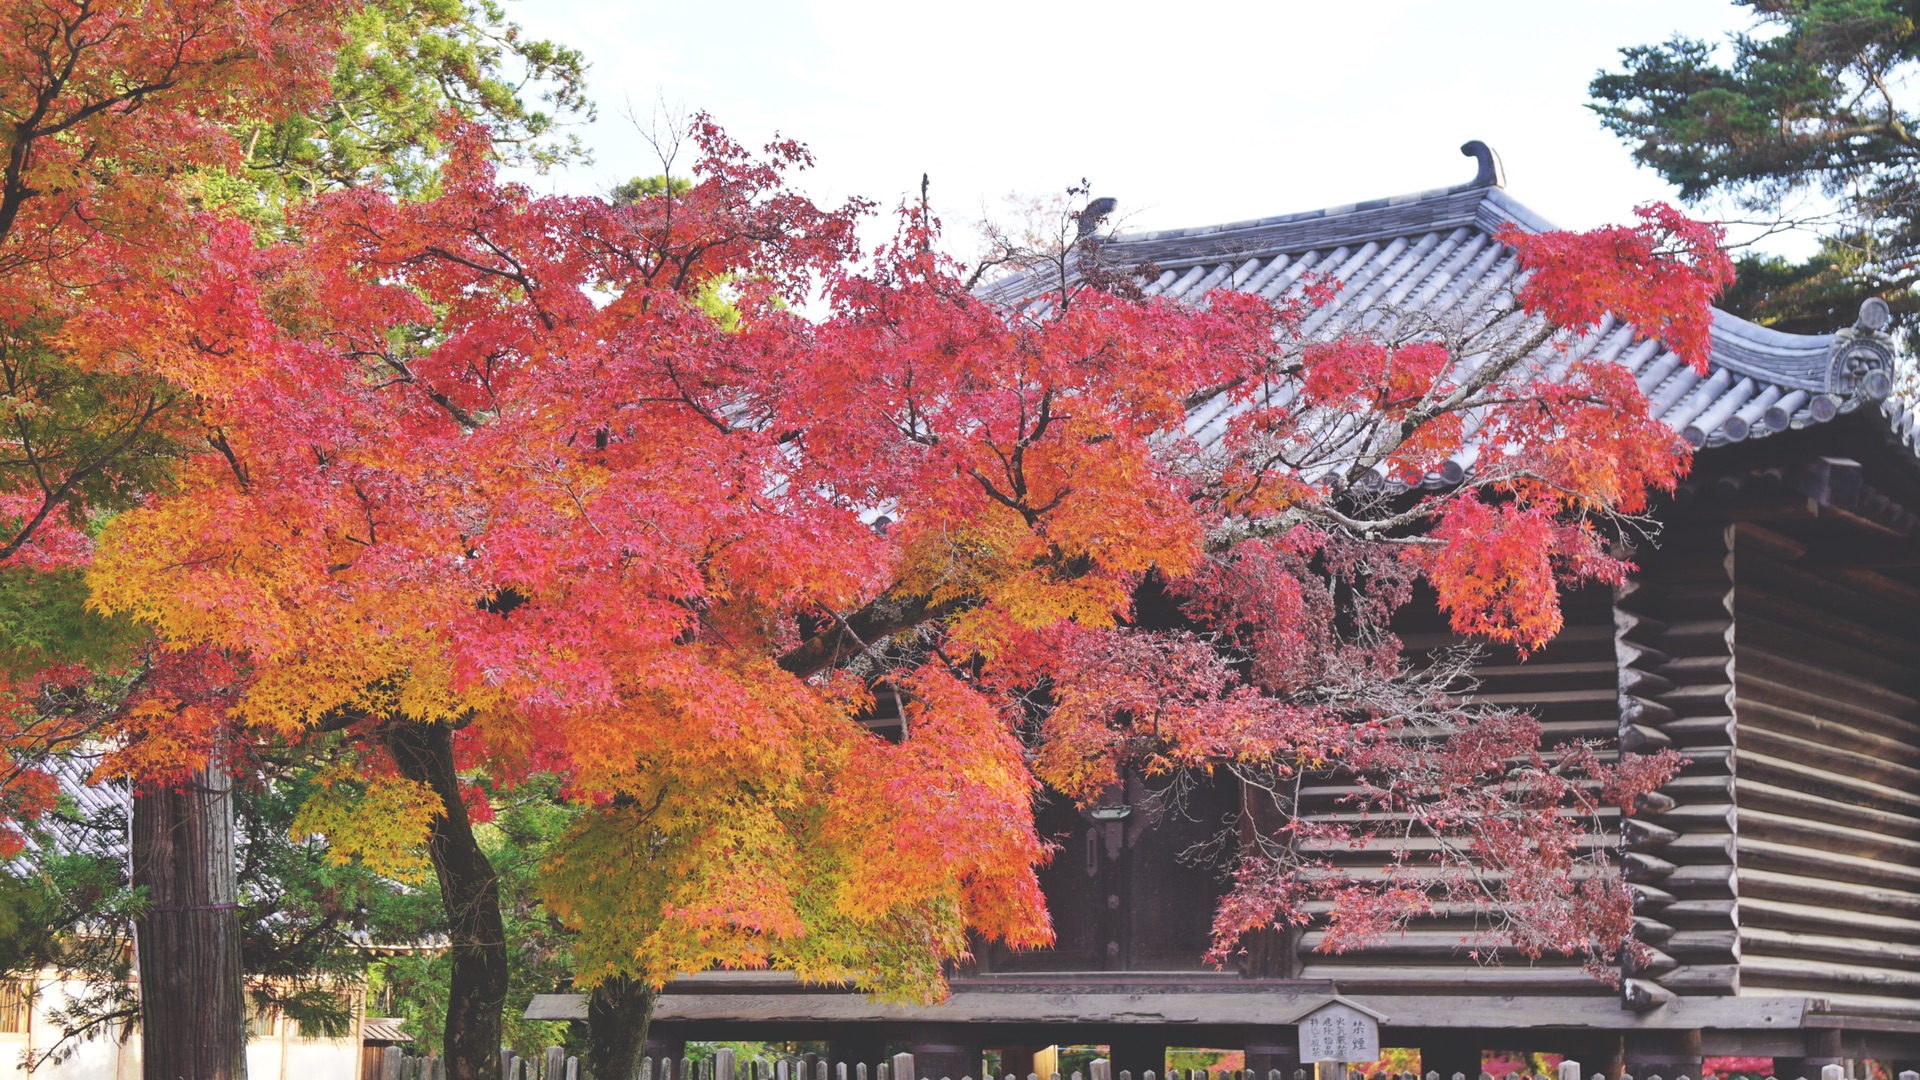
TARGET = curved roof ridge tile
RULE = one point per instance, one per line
(1430, 195)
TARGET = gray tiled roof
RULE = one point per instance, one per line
(384, 1029)
(1435, 252)
(93, 816)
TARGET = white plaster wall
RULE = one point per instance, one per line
(277, 1056)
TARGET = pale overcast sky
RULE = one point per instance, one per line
(1189, 114)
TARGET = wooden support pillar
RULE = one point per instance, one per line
(1597, 1053)
(944, 1052)
(665, 1044)
(1666, 1054)
(1450, 1055)
(1610, 1060)
(1269, 1048)
(1823, 1049)
(1139, 1054)
(1018, 1061)
(856, 1046)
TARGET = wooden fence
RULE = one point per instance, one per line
(723, 1067)
(556, 1065)
(553, 1065)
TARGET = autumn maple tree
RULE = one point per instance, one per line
(114, 114)
(128, 129)
(655, 493)
(495, 483)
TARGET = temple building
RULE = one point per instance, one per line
(1772, 635)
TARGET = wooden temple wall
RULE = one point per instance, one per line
(1784, 856)
(1826, 656)
(1571, 684)
(1674, 621)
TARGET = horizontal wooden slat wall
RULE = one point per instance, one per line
(1571, 685)
(1675, 628)
(1827, 657)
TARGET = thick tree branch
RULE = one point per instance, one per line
(846, 637)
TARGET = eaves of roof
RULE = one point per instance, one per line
(1436, 251)
(95, 816)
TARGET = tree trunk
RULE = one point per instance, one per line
(470, 892)
(193, 1018)
(618, 1012)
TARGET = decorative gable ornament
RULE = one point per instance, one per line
(1860, 362)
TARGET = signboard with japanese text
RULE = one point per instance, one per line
(1337, 1032)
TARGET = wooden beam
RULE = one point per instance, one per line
(1804, 975)
(1834, 866)
(1779, 545)
(1806, 806)
(1802, 889)
(1840, 839)
(1827, 919)
(1759, 941)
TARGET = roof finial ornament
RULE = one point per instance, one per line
(1859, 362)
(1490, 174)
(1874, 314)
(1095, 212)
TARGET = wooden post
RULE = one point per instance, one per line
(663, 1044)
(1671, 1054)
(857, 1047)
(1138, 1055)
(944, 1052)
(1017, 1060)
(1604, 1056)
(1822, 1049)
(723, 1064)
(1451, 1055)
(556, 1061)
(904, 1068)
(1270, 1048)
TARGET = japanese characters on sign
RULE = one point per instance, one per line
(1337, 1032)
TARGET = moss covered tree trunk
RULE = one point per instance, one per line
(618, 1012)
(470, 892)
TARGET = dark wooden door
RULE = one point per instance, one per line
(1125, 889)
